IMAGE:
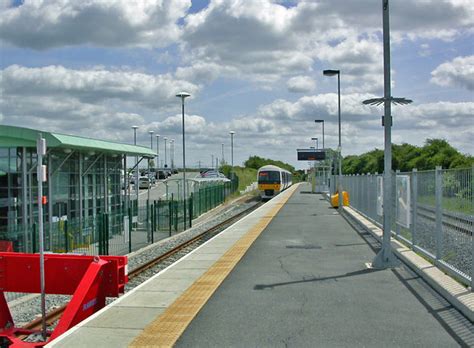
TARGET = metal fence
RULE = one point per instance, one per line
(139, 224)
(433, 213)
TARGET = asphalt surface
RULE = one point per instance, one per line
(304, 283)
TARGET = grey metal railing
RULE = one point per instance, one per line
(433, 213)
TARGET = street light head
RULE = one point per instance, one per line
(232, 132)
(183, 95)
(330, 72)
(157, 135)
(151, 132)
(318, 121)
(134, 127)
(314, 138)
(165, 138)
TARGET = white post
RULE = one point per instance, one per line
(41, 151)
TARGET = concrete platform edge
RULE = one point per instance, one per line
(460, 297)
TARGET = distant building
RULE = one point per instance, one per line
(85, 179)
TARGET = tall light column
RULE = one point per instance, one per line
(136, 161)
(222, 156)
(321, 121)
(157, 151)
(339, 184)
(172, 155)
(232, 151)
(183, 95)
(385, 258)
(166, 157)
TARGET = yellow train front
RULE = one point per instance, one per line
(272, 180)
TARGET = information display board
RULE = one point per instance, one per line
(403, 200)
(311, 154)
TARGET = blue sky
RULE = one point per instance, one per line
(96, 68)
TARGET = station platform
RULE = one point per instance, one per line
(292, 273)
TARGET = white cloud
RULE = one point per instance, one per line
(97, 22)
(94, 86)
(301, 84)
(457, 73)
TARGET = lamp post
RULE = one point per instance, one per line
(324, 167)
(157, 151)
(385, 257)
(339, 183)
(166, 157)
(172, 155)
(212, 161)
(222, 156)
(232, 152)
(136, 160)
(151, 139)
(321, 121)
(183, 95)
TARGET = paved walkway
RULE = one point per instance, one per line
(304, 283)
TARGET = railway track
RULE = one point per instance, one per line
(53, 316)
(460, 222)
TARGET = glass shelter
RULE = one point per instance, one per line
(85, 179)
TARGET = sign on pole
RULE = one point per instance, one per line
(403, 200)
(311, 154)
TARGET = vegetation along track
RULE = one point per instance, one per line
(54, 315)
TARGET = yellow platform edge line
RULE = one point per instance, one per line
(166, 329)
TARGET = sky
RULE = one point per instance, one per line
(97, 67)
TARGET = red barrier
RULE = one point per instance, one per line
(90, 279)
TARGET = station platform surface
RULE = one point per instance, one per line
(292, 273)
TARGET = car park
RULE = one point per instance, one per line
(143, 182)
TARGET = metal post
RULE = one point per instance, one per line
(397, 225)
(222, 155)
(24, 195)
(385, 258)
(136, 161)
(439, 212)
(340, 189)
(148, 198)
(157, 151)
(166, 152)
(414, 200)
(472, 239)
(41, 149)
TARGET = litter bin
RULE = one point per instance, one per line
(335, 199)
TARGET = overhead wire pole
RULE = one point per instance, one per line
(385, 257)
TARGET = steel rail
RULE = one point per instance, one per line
(54, 315)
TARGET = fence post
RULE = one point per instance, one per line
(191, 200)
(129, 229)
(472, 239)
(158, 215)
(170, 214)
(414, 199)
(176, 212)
(439, 212)
(66, 244)
(397, 225)
(106, 233)
(33, 240)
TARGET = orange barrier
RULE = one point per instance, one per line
(335, 199)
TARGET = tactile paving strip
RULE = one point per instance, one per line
(166, 329)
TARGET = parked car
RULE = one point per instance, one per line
(161, 175)
(175, 171)
(143, 182)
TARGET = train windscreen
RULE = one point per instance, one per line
(269, 177)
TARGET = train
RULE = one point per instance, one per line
(272, 180)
